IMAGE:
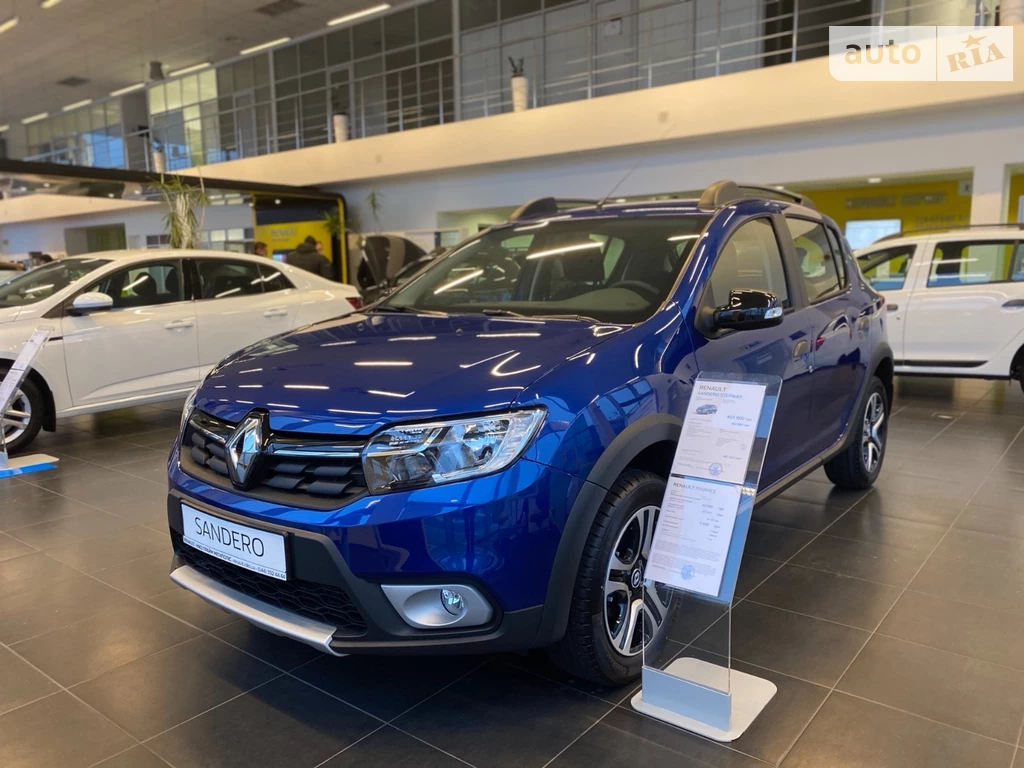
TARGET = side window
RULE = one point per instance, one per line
(273, 279)
(750, 259)
(886, 270)
(222, 279)
(817, 263)
(837, 253)
(977, 263)
(144, 285)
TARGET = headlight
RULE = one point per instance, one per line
(190, 405)
(416, 455)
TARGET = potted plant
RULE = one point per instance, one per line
(520, 86)
(186, 210)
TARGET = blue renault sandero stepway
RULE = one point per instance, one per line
(475, 463)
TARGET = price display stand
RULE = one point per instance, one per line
(698, 546)
(9, 387)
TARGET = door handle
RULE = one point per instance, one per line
(276, 312)
(1014, 304)
(891, 307)
(175, 324)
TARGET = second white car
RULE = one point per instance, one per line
(133, 327)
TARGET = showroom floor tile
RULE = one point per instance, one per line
(891, 622)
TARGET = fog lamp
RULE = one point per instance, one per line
(453, 602)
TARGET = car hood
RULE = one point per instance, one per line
(352, 375)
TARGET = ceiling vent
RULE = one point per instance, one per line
(279, 7)
(73, 82)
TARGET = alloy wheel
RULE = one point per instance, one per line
(634, 611)
(873, 435)
(17, 417)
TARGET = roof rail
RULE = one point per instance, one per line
(722, 192)
(953, 228)
(546, 206)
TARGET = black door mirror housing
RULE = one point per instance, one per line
(749, 309)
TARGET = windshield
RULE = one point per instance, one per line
(43, 282)
(609, 269)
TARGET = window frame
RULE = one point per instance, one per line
(795, 301)
(271, 266)
(910, 248)
(1016, 243)
(841, 289)
(186, 285)
(197, 282)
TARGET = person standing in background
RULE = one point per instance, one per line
(308, 258)
(260, 249)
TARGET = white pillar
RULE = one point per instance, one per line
(988, 193)
(1011, 12)
(340, 126)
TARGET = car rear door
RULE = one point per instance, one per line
(888, 271)
(239, 302)
(968, 305)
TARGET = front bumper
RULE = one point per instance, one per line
(403, 546)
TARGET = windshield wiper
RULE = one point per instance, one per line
(494, 312)
(405, 309)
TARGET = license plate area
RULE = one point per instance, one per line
(254, 549)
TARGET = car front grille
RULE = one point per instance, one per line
(321, 602)
(315, 472)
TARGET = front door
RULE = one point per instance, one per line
(887, 270)
(968, 306)
(751, 258)
(145, 345)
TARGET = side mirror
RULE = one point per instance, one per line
(749, 309)
(86, 303)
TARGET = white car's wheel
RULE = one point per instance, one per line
(23, 418)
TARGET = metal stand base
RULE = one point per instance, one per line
(748, 696)
(24, 465)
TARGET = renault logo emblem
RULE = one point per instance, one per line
(244, 447)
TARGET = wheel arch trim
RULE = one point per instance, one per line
(626, 446)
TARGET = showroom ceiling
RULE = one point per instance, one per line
(110, 43)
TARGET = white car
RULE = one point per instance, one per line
(955, 300)
(133, 327)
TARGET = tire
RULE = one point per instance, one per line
(624, 523)
(857, 467)
(28, 399)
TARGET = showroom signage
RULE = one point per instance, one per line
(945, 54)
(698, 547)
(9, 387)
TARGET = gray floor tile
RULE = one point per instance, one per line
(802, 515)
(160, 691)
(967, 546)
(981, 633)
(69, 530)
(33, 612)
(890, 531)
(956, 690)
(890, 504)
(111, 549)
(972, 582)
(143, 578)
(136, 757)
(894, 566)
(861, 604)
(774, 541)
(11, 548)
(285, 722)
(32, 571)
(394, 749)
(58, 731)
(192, 609)
(854, 733)
(21, 682)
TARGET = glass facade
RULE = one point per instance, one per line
(441, 61)
(90, 135)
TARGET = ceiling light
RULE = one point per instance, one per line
(874, 179)
(11, 23)
(110, 195)
(186, 70)
(35, 118)
(47, 4)
(47, 185)
(264, 46)
(5, 127)
(358, 14)
(127, 89)
(76, 105)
